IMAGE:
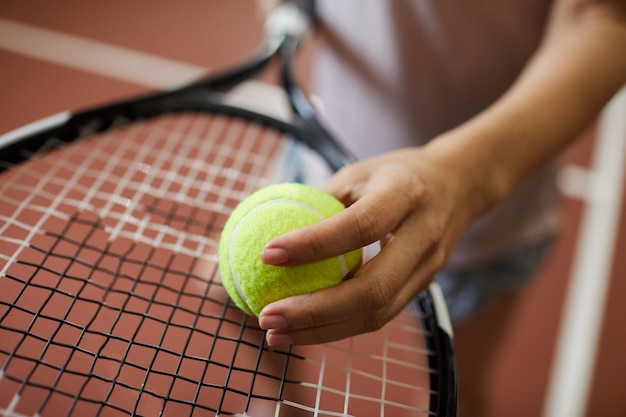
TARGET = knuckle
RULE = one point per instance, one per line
(304, 311)
(439, 259)
(378, 296)
(315, 244)
(432, 234)
(313, 318)
(366, 224)
(415, 190)
(374, 320)
(310, 319)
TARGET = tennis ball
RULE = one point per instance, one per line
(267, 213)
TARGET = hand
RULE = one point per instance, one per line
(416, 203)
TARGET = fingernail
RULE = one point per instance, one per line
(273, 322)
(279, 339)
(275, 256)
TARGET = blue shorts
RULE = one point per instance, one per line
(467, 291)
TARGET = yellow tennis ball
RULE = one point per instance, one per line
(267, 213)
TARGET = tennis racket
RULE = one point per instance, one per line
(110, 298)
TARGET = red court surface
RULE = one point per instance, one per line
(193, 33)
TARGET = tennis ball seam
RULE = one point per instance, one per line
(341, 258)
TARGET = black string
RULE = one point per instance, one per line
(112, 283)
(136, 314)
(123, 312)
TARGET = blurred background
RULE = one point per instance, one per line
(71, 54)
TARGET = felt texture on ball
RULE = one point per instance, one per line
(264, 215)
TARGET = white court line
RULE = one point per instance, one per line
(128, 65)
(576, 182)
(583, 311)
(89, 55)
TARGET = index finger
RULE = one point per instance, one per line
(366, 221)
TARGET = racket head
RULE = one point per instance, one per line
(110, 299)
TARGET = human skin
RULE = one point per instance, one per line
(418, 201)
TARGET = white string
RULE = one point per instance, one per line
(25, 204)
(121, 175)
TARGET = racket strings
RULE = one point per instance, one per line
(114, 265)
(110, 301)
(149, 337)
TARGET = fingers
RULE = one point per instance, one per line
(330, 315)
(326, 334)
(320, 317)
(400, 200)
(362, 304)
(369, 219)
(339, 234)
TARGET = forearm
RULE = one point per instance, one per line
(580, 65)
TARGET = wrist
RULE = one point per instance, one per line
(481, 183)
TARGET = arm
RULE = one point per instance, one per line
(580, 65)
(419, 201)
